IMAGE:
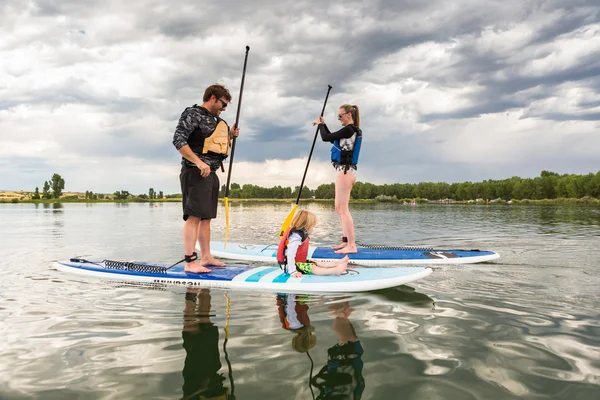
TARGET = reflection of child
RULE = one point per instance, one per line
(294, 317)
(293, 250)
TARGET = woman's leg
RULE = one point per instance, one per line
(343, 187)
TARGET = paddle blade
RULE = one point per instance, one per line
(288, 221)
(226, 200)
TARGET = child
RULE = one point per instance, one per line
(293, 249)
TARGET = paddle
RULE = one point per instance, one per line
(288, 220)
(228, 314)
(237, 120)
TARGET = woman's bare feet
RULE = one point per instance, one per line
(340, 246)
(349, 249)
(196, 268)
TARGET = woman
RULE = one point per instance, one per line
(344, 157)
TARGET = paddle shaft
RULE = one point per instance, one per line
(237, 120)
(313, 147)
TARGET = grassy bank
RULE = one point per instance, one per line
(561, 201)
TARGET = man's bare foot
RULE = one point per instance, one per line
(211, 262)
(340, 246)
(347, 250)
(195, 268)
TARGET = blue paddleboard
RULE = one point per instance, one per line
(377, 256)
(267, 278)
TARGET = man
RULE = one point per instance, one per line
(203, 139)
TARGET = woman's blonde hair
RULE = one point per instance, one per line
(353, 110)
(304, 220)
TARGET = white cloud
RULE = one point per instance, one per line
(94, 92)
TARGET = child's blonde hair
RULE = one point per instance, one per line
(304, 339)
(304, 220)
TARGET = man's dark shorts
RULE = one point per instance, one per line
(200, 195)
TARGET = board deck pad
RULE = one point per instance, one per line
(263, 278)
(368, 256)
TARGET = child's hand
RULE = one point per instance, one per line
(297, 274)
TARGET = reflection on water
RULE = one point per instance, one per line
(201, 377)
(337, 373)
(524, 327)
(341, 377)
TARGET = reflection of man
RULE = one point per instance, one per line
(342, 377)
(201, 378)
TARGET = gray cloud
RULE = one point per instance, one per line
(136, 65)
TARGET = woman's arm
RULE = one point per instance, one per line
(345, 133)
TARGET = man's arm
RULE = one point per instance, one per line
(186, 151)
(186, 125)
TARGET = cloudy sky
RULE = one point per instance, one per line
(448, 90)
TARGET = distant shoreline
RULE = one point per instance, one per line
(562, 201)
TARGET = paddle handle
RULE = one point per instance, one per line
(237, 121)
(312, 147)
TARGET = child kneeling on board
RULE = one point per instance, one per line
(293, 250)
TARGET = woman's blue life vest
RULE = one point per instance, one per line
(346, 151)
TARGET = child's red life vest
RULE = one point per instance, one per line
(302, 252)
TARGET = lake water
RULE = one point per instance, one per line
(526, 326)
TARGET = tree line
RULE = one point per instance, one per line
(53, 189)
(549, 185)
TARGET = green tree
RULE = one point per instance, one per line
(122, 195)
(306, 192)
(325, 191)
(366, 191)
(576, 186)
(36, 194)
(161, 195)
(524, 189)
(58, 184)
(46, 191)
(151, 194)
